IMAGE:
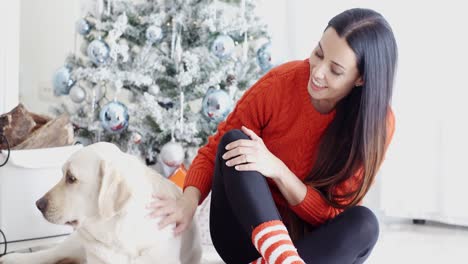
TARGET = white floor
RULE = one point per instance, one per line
(400, 242)
(403, 242)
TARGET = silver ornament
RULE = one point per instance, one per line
(98, 51)
(172, 154)
(154, 34)
(154, 89)
(62, 81)
(264, 57)
(83, 27)
(114, 117)
(223, 46)
(77, 94)
(216, 105)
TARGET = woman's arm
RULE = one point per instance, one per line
(307, 202)
(292, 188)
(193, 195)
(253, 110)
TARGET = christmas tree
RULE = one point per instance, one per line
(158, 74)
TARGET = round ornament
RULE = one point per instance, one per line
(98, 51)
(223, 46)
(264, 57)
(114, 117)
(62, 81)
(77, 94)
(217, 104)
(83, 27)
(172, 154)
(154, 34)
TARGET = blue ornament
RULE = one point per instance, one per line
(223, 46)
(216, 105)
(264, 57)
(154, 34)
(114, 117)
(83, 27)
(98, 51)
(63, 81)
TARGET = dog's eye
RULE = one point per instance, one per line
(70, 178)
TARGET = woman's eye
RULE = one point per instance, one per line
(336, 73)
(320, 56)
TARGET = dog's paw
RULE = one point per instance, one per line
(14, 258)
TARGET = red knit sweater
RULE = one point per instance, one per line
(278, 108)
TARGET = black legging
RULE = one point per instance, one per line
(242, 200)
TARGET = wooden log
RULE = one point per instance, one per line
(16, 125)
(55, 133)
(39, 119)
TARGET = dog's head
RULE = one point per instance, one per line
(91, 187)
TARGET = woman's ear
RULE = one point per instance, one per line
(359, 82)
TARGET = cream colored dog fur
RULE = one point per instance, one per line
(103, 193)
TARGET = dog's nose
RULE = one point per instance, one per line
(42, 204)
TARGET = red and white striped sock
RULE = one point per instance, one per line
(273, 242)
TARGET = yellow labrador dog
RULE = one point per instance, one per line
(103, 194)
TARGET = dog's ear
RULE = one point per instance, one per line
(114, 192)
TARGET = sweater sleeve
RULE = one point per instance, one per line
(314, 209)
(253, 110)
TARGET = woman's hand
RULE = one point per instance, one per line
(253, 155)
(179, 212)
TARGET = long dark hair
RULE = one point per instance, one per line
(355, 139)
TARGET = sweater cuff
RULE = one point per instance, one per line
(310, 209)
(200, 180)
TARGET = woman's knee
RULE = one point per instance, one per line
(365, 223)
(230, 136)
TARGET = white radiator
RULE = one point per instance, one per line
(27, 176)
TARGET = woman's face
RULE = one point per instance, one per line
(333, 70)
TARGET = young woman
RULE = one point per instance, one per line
(291, 164)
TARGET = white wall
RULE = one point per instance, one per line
(47, 37)
(274, 14)
(425, 173)
(9, 55)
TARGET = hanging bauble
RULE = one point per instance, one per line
(216, 104)
(63, 81)
(83, 27)
(154, 89)
(98, 51)
(154, 34)
(264, 57)
(77, 94)
(172, 154)
(171, 157)
(223, 46)
(114, 117)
